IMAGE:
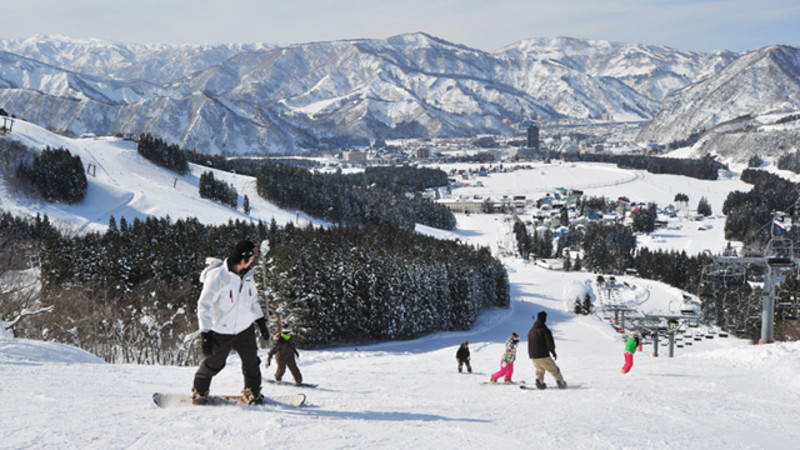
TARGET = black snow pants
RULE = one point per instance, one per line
(245, 345)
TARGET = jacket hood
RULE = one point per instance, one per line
(211, 264)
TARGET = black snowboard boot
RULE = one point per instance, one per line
(540, 385)
(562, 384)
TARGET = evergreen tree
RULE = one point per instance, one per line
(160, 153)
(563, 219)
(218, 190)
(588, 308)
(703, 207)
(57, 175)
(609, 248)
(681, 199)
(644, 219)
(524, 241)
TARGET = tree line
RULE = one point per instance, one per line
(705, 168)
(56, 175)
(159, 152)
(129, 294)
(749, 215)
(378, 196)
(381, 284)
(218, 190)
(372, 199)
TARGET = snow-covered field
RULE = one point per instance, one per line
(718, 393)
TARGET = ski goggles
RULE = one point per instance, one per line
(253, 252)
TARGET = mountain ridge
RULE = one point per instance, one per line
(737, 99)
(339, 93)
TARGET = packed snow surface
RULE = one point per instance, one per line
(718, 393)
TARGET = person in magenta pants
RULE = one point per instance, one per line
(630, 349)
(507, 363)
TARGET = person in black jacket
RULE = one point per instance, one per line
(285, 351)
(540, 346)
(462, 356)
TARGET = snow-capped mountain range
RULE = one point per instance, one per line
(261, 98)
(753, 93)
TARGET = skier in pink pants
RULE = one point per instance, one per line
(507, 363)
(630, 349)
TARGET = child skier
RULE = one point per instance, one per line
(462, 356)
(630, 349)
(507, 363)
(285, 351)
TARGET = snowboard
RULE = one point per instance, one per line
(502, 383)
(167, 400)
(291, 383)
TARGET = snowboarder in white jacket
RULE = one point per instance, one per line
(227, 307)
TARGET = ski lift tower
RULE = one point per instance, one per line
(617, 309)
(5, 128)
(779, 256)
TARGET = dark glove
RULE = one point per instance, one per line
(554, 356)
(262, 326)
(208, 343)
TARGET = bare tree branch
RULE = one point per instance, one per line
(26, 313)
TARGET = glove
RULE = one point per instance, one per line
(555, 357)
(262, 326)
(208, 343)
(268, 361)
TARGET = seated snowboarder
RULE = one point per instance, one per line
(284, 350)
(462, 356)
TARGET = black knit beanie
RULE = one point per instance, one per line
(242, 250)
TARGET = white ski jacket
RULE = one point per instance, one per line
(228, 303)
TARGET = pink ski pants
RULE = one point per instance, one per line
(628, 363)
(505, 370)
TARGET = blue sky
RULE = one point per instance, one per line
(697, 25)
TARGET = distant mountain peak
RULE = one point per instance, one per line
(759, 83)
